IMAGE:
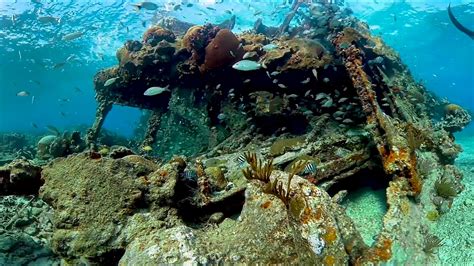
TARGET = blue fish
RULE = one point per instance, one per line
(246, 65)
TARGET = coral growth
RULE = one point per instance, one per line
(156, 34)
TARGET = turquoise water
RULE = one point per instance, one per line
(435, 51)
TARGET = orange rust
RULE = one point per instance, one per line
(330, 236)
(405, 207)
(381, 252)
(266, 204)
(329, 260)
(306, 216)
(163, 173)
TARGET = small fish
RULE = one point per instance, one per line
(104, 151)
(315, 73)
(241, 160)
(249, 55)
(338, 113)
(246, 65)
(190, 174)
(72, 36)
(306, 81)
(231, 53)
(307, 93)
(70, 57)
(23, 94)
(257, 13)
(328, 103)
(49, 19)
(326, 80)
(347, 121)
(147, 148)
(152, 91)
(19, 54)
(146, 5)
(321, 95)
(63, 114)
(283, 86)
(221, 116)
(274, 73)
(110, 81)
(77, 89)
(247, 81)
(342, 100)
(34, 125)
(269, 47)
(275, 81)
(59, 65)
(218, 86)
(211, 8)
(53, 130)
(310, 168)
(33, 99)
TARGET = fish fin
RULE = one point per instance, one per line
(137, 6)
(458, 24)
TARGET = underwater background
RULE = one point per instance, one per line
(47, 87)
(435, 51)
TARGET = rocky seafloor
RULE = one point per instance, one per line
(309, 145)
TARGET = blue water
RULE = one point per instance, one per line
(436, 52)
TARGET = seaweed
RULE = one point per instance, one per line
(445, 188)
(262, 171)
(257, 169)
(431, 244)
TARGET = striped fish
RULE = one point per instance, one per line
(310, 168)
(190, 174)
(241, 160)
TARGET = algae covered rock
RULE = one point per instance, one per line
(20, 177)
(93, 200)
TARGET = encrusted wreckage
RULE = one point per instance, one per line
(327, 107)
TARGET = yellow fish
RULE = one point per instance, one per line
(147, 148)
(104, 151)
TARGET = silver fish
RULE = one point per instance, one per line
(23, 94)
(342, 100)
(152, 91)
(49, 19)
(321, 95)
(315, 73)
(328, 103)
(72, 36)
(305, 81)
(249, 55)
(110, 81)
